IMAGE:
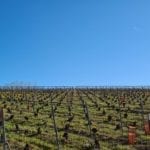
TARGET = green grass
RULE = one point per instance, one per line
(78, 133)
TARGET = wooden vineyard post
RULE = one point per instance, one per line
(149, 119)
(142, 111)
(149, 122)
(55, 127)
(120, 117)
(122, 101)
(146, 122)
(2, 128)
(147, 125)
(86, 112)
(132, 135)
(85, 109)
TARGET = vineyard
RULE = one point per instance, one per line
(76, 118)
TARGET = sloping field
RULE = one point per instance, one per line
(75, 118)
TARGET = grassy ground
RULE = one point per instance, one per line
(29, 119)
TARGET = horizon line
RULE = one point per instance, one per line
(75, 87)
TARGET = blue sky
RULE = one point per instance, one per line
(75, 42)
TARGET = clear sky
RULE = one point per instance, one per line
(75, 42)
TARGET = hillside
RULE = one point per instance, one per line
(75, 118)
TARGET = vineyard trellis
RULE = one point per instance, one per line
(55, 127)
(3, 139)
(34, 115)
